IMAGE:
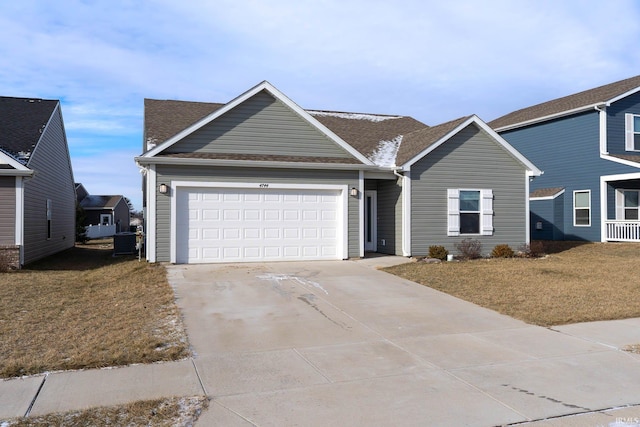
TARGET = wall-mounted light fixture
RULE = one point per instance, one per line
(163, 189)
(354, 192)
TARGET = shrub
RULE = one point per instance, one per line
(535, 249)
(470, 249)
(502, 251)
(438, 252)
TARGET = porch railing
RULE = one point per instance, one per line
(623, 231)
(97, 231)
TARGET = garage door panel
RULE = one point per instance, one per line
(239, 224)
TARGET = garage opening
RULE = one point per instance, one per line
(257, 224)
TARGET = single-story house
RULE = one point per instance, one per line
(260, 179)
(37, 213)
(104, 210)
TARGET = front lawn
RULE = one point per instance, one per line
(84, 308)
(586, 282)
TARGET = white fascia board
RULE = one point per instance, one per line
(621, 161)
(532, 170)
(549, 117)
(181, 161)
(623, 95)
(18, 168)
(265, 85)
(558, 194)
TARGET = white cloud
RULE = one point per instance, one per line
(432, 60)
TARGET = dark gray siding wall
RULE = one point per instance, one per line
(568, 152)
(7, 210)
(260, 125)
(471, 159)
(389, 217)
(166, 174)
(53, 179)
(616, 125)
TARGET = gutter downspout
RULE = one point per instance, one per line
(602, 110)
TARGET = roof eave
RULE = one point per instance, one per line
(550, 117)
(143, 161)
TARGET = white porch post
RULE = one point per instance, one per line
(603, 209)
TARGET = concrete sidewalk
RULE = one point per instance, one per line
(72, 390)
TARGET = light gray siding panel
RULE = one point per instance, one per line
(390, 217)
(167, 174)
(53, 179)
(472, 160)
(260, 125)
(7, 210)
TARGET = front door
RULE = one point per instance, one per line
(370, 221)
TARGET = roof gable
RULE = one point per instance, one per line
(100, 202)
(22, 121)
(578, 102)
(247, 96)
(432, 138)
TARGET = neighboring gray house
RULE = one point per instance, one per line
(261, 179)
(37, 209)
(104, 210)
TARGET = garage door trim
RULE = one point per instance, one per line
(343, 247)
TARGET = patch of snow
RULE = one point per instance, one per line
(5, 424)
(354, 116)
(151, 143)
(386, 152)
(281, 277)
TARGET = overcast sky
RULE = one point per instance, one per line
(432, 60)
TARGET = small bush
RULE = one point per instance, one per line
(502, 251)
(534, 249)
(470, 249)
(438, 252)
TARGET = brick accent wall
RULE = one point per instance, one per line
(9, 257)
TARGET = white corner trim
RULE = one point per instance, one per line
(406, 213)
(602, 112)
(19, 220)
(527, 210)
(361, 189)
(343, 208)
(150, 232)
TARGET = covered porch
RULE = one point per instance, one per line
(620, 204)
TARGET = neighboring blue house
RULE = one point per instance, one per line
(588, 145)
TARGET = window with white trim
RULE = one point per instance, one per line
(627, 205)
(470, 212)
(582, 208)
(632, 132)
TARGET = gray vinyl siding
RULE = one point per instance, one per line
(389, 217)
(469, 160)
(616, 124)
(567, 150)
(167, 174)
(53, 179)
(7, 210)
(260, 125)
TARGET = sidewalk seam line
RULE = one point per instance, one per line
(195, 368)
(35, 397)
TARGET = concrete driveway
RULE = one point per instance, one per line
(341, 343)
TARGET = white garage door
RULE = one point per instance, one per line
(245, 225)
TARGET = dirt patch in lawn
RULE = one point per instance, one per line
(578, 283)
(176, 411)
(84, 308)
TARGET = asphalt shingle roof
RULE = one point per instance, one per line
(22, 121)
(100, 202)
(584, 99)
(545, 192)
(364, 132)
